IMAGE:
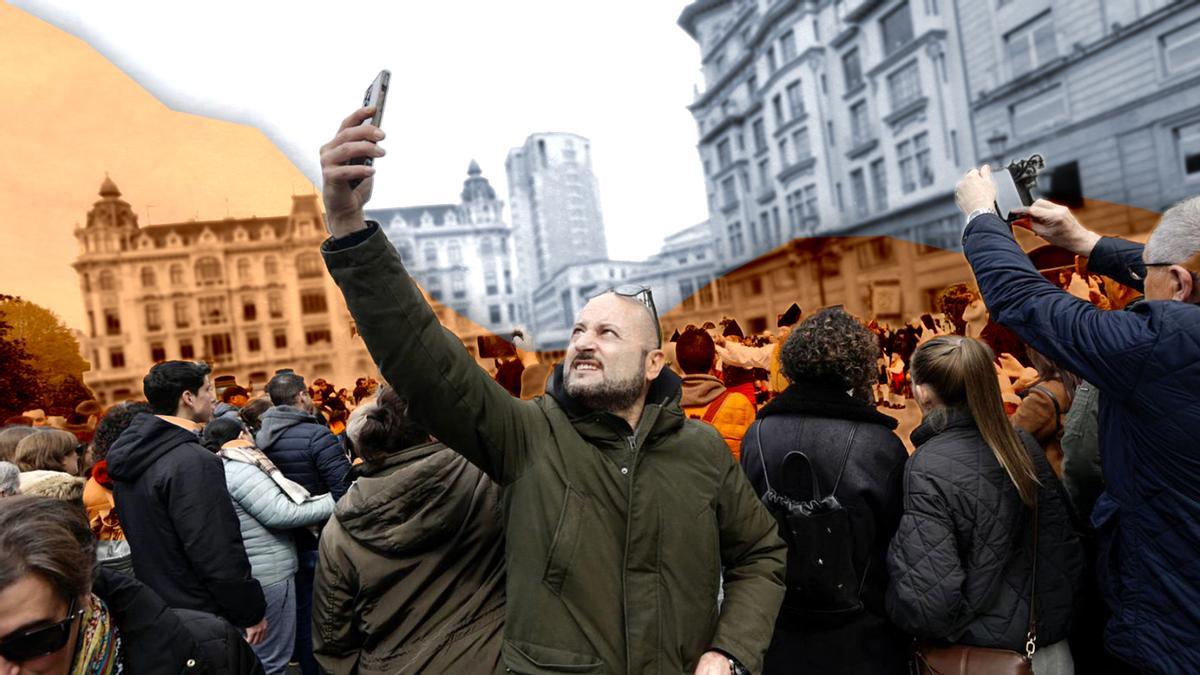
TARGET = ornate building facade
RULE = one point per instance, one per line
(247, 295)
(822, 118)
(464, 258)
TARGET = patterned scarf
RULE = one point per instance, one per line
(98, 651)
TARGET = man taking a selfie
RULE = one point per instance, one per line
(1146, 364)
(620, 513)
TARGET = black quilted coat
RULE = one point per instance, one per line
(960, 564)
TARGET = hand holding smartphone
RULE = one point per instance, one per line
(376, 96)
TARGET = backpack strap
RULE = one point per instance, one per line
(710, 413)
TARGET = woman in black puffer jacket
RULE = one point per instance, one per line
(961, 563)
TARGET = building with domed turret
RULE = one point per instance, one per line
(463, 256)
(247, 295)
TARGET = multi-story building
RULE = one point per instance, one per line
(1108, 91)
(681, 273)
(557, 301)
(555, 207)
(248, 295)
(464, 258)
(822, 118)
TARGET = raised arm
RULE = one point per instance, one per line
(427, 364)
(267, 503)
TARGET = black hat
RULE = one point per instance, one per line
(791, 317)
(732, 329)
(674, 336)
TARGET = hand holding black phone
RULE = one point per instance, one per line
(376, 96)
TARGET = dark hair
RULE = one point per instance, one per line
(1049, 370)
(18, 421)
(695, 351)
(960, 371)
(167, 381)
(252, 413)
(952, 301)
(832, 347)
(284, 388)
(235, 390)
(384, 427)
(114, 423)
(221, 430)
(9, 438)
(49, 538)
(47, 450)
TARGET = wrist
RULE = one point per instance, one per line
(340, 225)
(1083, 243)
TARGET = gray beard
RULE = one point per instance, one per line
(609, 396)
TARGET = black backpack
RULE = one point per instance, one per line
(822, 581)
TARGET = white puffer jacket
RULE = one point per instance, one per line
(266, 514)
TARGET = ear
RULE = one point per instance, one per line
(655, 361)
(1183, 284)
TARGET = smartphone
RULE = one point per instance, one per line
(376, 96)
(1008, 196)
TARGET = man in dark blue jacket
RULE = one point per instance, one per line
(308, 453)
(1146, 363)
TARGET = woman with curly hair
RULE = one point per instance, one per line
(827, 417)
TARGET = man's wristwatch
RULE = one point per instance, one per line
(979, 212)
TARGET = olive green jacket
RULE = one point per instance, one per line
(615, 538)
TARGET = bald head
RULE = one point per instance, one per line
(636, 316)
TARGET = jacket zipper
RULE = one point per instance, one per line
(632, 438)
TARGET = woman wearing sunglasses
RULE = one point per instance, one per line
(56, 618)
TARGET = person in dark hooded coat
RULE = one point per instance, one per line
(411, 573)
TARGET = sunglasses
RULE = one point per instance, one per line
(30, 644)
(643, 295)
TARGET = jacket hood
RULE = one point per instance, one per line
(700, 390)
(279, 419)
(146, 440)
(819, 399)
(410, 502)
(661, 415)
(939, 421)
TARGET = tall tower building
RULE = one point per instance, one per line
(555, 202)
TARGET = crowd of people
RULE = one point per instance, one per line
(711, 503)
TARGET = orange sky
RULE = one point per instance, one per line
(67, 116)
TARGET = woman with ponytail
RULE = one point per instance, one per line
(411, 571)
(962, 561)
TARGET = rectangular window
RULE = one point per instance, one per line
(486, 247)
(772, 64)
(924, 159)
(787, 46)
(1188, 140)
(249, 310)
(860, 124)
(275, 305)
(116, 358)
(494, 314)
(314, 336)
(431, 255)
(1039, 112)
(112, 322)
(153, 318)
(1181, 49)
(897, 29)
(795, 99)
(705, 295)
(489, 281)
(858, 186)
(724, 156)
(784, 158)
(800, 142)
(752, 86)
(686, 291)
(879, 184)
(764, 174)
(186, 350)
(724, 291)
(218, 345)
(312, 301)
(764, 223)
(852, 69)
(904, 156)
(812, 217)
(777, 105)
(212, 311)
(795, 211)
(508, 287)
(737, 243)
(458, 286)
(904, 86)
(729, 192)
(1031, 45)
(253, 344)
(157, 352)
(760, 136)
(280, 339)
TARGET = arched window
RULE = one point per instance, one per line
(243, 269)
(148, 279)
(107, 282)
(270, 267)
(176, 274)
(208, 271)
(308, 265)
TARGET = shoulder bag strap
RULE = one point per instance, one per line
(1053, 399)
(1031, 636)
(763, 462)
(845, 457)
(710, 413)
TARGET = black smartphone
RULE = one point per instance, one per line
(376, 96)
